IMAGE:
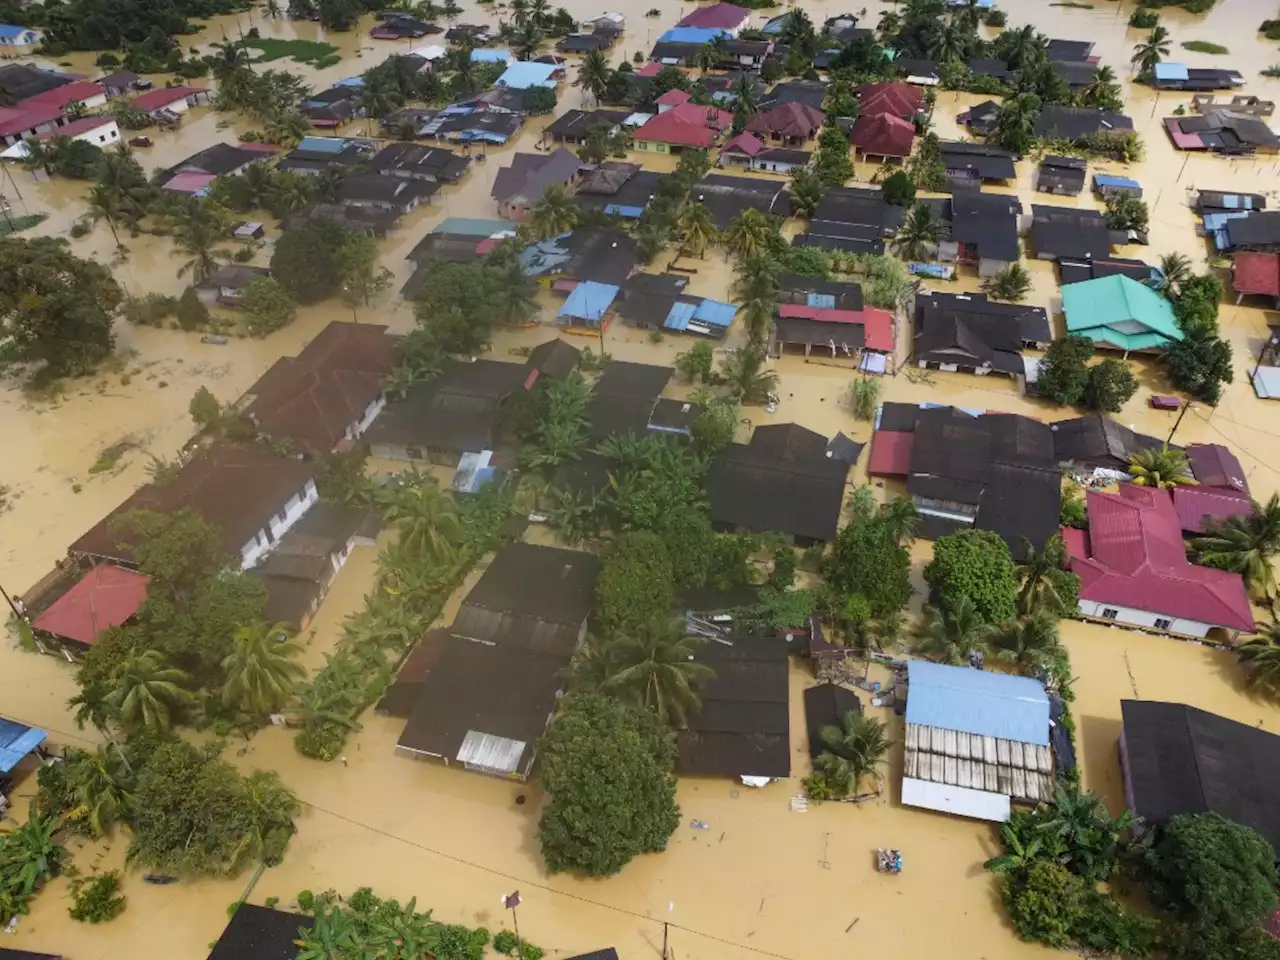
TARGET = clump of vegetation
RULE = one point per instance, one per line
(96, 898)
(851, 752)
(30, 855)
(1248, 545)
(1270, 29)
(974, 566)
(301, 51)
(367, 925)
(1273, 71)
(508, 944)
(864, 397)
(1144, 18)
(267, 306)
(1126, 213)
(1013, 283)
(1204, 46)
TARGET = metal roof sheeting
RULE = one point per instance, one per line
(975, 701)
(962, 801)
(590, 301)
(16, 741)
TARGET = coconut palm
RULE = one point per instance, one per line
(746, 376)
(1015, 127)
(864, 634)
(526, 41)
(1152, 50)
(104, 788)
(1042, 575)
(921, 227)
(1102, 91)
(285, 128)
(594, 74)
(272, 9)
(855, 749)
(745, 94)
(1260, 659)
(147, 692)
(260, 670)
(749, 233)
(1021, 45)
(1012, 284)
(1028, 644)
(950, 634)
(899, 518)
(91, 707)
(1245, 545)
(948, 44)
(696, 227)
(196, 227)
(888, 24)
(806, 192)
(655, 668)
(427, 518)
(517, 296)
(1176, 268)
(106, 205)
(1163, 467)
(554, 214)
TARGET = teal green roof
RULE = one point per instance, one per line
(1121, 312)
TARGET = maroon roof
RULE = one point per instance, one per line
(727, 16)
(1137, 559)
(902, 100)
(890, 453)
(1213, 465)
(155, 99)
(687, 125)
(790, 119)
(883, 135)
(744, 142)
(106, 597)
(1198, 506)
(1256, 273)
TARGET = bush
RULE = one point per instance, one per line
(636, 587)
(1126, 213)
(1270, 29)
(306, 263)
(1144, 19)
(267, 306)
(539, 100)
(191, 314)
(1045, 903)
(898, 189)
(864, 397)
(96, 900)
(1064, 371)
(1074, 513)
(1110, 385)
(977, 565)
(714, 428)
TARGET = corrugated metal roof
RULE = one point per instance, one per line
(1111, 180)
(963, 801)
(1171, 71)
(524, 74)
(975, 701)
(16, 741)
(678, 318)
(589, 301)
(715, 313)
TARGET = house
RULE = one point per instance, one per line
(680, 123)
(882, 136)
(100, 131)
(1098, 442)
(524, 74)
(1077, 271)
(1109, 184)
(1222, 131)
(990, 68)
(982, 232)
(1168, 75)
(414, 161)
(576, 126)
(384, 193)
(1070, 232)
(250, 495)
(746, 54)
(226, 285)
(1133, 570)
(791, 124)
(826, 705)
(618, 189)
(1076, 124)
(486, 55)
(781, 482)
(652, 302)
(219, 160)
(604, 255)
(980, 118)
(1070, 51)
(453, 413)
(373, 221)
(329, 393)
(1256, 274)
(15, 37)
(553, 358)
(519, 186)
(1219, 201)
(1178, 759)
(968, 333)
(494, 685)
(19, 81)
(588, 305)
(726, 197)
(26, 123)
(666, 53)
(1215, 466)
(719, 16)
(105, 597)
(468, 125)
(693, 36)
(88, 93)
(165, 102)
(1201, 508)
(1240, 103)
(1259, 230)
(1120, 314)
(852, 219)
(612, 22)
(812, 93)
(901, 100)
(919, 71)
(865, 336)
(260, 933)
(971, 164)
(749, 151)
(1061, 175)
(1077, 75)
(975, 741)
(743, 728)
(314, 155)
(624, 398)
(121, 82)
(402, 27)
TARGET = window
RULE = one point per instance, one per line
(103, 138)
(1110, 613)
(1162, 624)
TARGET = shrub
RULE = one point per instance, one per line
(977, 565)
(267, 306)
(1045, 903)
(1270, 29)
(635, 587)
(95, 899)
(1126, 213)
(1110, 385)
(864, 397)
(899, 189)
(1064, 371)
(1144, 19)
(191, 314)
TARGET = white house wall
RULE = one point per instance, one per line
(1132, 617)
(290, 513)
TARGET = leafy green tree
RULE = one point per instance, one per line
(1127, 213)
(852, 752)
(920, 228)
(974, 565)
(606, 768)
(1200, 364)
(635, 589)
(714, 428)
(261, 669)
(306, 262)
(148, 692)
(1078, 823)
(869, 561)
(1110, 385)
(1064, 371)
(179, 551)
(1016, 122)
(806, 192)
(1246, 545)
(953, 632)
(554, 214)
(55, 309)
(205, 409)
(832, 162)
(362, 276)
(1074, 513)
(696, 363)
(191, 313)
(539, 101)
(1045, 902)
(96, 899)
(267, 306)
(1161, 467)
(653, 667)
(899, 189)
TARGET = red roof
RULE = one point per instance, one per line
(1257, 273)
(883, 135)
(687, 125)
(1181, 140)
(20, 119)
(877, 325)
(723, 15)
(890, 453)
(61, 96)
(744, 142)
(1196, 505)
(789, 120)
(1137, 559)
(650, 69)
(155, 99)
(1213, 465)
(673, 98)
(75, 127)
(902, 100)
(106, 597)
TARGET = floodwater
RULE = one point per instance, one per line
(762, 879)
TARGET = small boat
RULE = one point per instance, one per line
(889, 861)
(216, 339)
(1164, 402)
(139, 141)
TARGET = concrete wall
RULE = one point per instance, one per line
(1145, 619)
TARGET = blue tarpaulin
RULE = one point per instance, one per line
(16, 741)
(627, 213)
(589, 302)
(823, 301)
(1171, 71)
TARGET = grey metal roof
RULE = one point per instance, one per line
(975, 701)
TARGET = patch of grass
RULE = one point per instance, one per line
(328, 61)
(1272, 71)
(17, 224)
(1204, 46)
(302, 51)
(109, 457)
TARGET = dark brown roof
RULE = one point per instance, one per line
(825, 706)
(312, 398)
(555, 358)
(260, 933)
(237, 489)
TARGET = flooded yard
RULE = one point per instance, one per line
(764, 879)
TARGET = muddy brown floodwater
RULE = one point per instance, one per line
(761, 880)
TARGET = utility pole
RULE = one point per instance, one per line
(665, 930)
(511, 902)
(12, 606)
(1185, 407)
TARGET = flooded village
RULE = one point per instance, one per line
(427, 476)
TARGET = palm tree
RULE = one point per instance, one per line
(594, 74)
(889, 24)
(196, 227)
(91, 707)
(1012, 284)
(227, 56)
(697, 228)
(1042, 578)
(427, 518)
(855, 748)
(104, 788)
(272, 9)
(1101, 91)
(554, 214)
(744, 94)
(285, 128)
(1176, 268)
(147, 692)
(527, 40)
(1028, 644)
(576, 516)
(921, 227)
(260, 669)
(1245, 545)
(899, 518)
(1016, 123)
(806, 192)
(105, 205)
(1152, 50)
(952, 633)
(1162, 467)
(517, 300)
(948, 44)
(745, 374)
(1260, 658)
(656, 669)
(519, 11)
(749, 233)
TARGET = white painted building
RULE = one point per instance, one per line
(278, 524)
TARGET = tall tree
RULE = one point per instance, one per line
(1245, 545)
(1046, 583)
(1162, 467)
(749, 233)
(1147, 53)
(148, 692)
(1028, 644)
(428, 520)
(554, 214)
(697, 228)
(654, 668)
(197, 226)
(749, 380)
(1260, 658)
(920, 228)
(952, 632)
(854, 750)
(261, 669)
(593, 74)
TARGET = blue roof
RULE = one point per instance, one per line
(471, 227)
(1111, 180)
(590, 301)
(524, 74)
(715, 313)
(10, 32)
(691, 34)
(823, 301)
(350, 82)
(323, 144)
(16, 741)
(679, 317)
(1216, 224)
(489, 55)
(628, 213)
(975, 701)
(1170, 71)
